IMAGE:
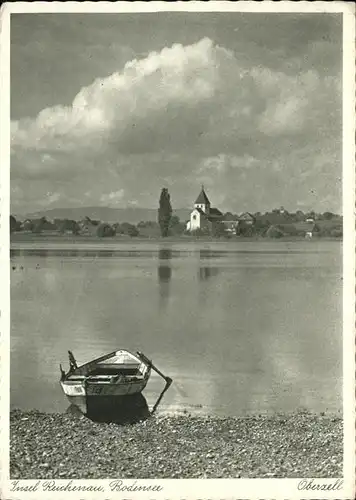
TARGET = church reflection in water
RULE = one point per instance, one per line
(164, 272)
(205, 271)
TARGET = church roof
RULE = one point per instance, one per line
(215, 212)
(202, 198)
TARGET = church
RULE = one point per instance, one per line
(203, 215)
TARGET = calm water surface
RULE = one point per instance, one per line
(240, 327)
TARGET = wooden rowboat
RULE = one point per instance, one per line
(110, 377)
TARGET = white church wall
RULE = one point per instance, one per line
(194, 220)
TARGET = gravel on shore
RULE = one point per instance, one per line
(63, 446)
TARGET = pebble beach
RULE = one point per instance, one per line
(66, 446)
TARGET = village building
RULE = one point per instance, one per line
(245, 224)
(88, 226)
(230, 225)
(247, 219)
(308, 229)
(38, 225)
(203, 216)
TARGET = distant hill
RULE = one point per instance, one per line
(132, 215)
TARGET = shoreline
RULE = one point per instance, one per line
(54, 237)
(251, 245)
(68, 446)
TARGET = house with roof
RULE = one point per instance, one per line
(245, 224)
(203, 216)
(307, 229)
(38, 225)
(88, 226)
(247, 219)
(26, 225)
(230, 223)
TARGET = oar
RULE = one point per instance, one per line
(72, 361)
(149, 362)
(168, 383)
(63, 373)
(167, 379)
(178, 387)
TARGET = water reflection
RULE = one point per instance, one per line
(164, 274)
(207, 253)
(205, 272)
(119, 410)
(260, 329)
(38, 252)
(65, 252)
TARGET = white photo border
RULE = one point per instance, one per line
(182, 488)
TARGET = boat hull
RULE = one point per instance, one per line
(94, 395)
(79, 402)
(112, 390)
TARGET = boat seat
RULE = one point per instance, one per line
(104, 377)
(114, 370)
(76, 377)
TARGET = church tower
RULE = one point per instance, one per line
(202, 202)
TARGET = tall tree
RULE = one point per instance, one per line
(164, 212)
(13, 224)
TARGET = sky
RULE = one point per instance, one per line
(106, 109)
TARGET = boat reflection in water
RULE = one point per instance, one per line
(126, 410)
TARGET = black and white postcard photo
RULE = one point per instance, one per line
(177, 252)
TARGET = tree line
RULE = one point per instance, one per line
(274, 223)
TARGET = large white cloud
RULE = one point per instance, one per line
(179, 87)
(191, 110)
(175, 77)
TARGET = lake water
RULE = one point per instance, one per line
(241, 327)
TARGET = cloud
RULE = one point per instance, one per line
(113, 198)
(52, 197)
(292, 102)
(184, 114)
(222, 164)
(112, 106)
(171, 98)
